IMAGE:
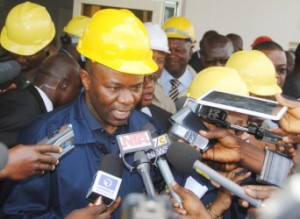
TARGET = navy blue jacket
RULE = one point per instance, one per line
(57, 193)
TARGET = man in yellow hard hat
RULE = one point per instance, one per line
(27, 36)
(177, 74)
(72, 33)
(118, 57)
(259, 73)
(257, 70)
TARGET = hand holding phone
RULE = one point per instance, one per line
(63, 137)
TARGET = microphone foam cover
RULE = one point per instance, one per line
(151, 128)
(182, 156)
(3, 156)
(112, 164)
(9, 70)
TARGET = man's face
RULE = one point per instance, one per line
(148, 90)
(30, 62)
(111, 95)
(159, 58)
(149, 80)
(279, 60)
(177, 61)
(216, 56)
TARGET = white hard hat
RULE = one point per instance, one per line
(158, 37)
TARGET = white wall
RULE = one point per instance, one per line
(249, 18)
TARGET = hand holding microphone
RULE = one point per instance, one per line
(185, 159)
(107, 180)
(192, 206)
(93, 211)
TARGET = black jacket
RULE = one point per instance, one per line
(17, 109)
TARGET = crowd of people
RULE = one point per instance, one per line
(115, 75)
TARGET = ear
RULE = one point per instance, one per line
(85, 79)
(191, 52)
(63, 84)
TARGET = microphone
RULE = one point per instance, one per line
(162, 142)
(9, 70)
(185, 158)
(107, 181)
(132, 142)
(142, 164)
(3, 156)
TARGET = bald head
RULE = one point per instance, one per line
(59, 77)
(206, 35)
(216, 50)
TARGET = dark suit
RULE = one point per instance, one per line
(17, 108)
(196, 62)
(161, 115)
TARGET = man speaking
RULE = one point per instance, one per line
(118, 54)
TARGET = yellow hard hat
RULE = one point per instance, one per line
(217, 78)
(28, 29)
(76, 25)
(257, 70)
(180, 27)
(118, 40)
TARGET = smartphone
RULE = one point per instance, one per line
(253, 106)
(186, 125)
(189, 136)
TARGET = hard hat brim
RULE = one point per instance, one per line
(130, 67)
(265, 90)
(166, 50)
(179, 36)
(25, 50)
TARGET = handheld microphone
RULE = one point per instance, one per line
(132, 142)
(9, 70)
(107, 181)
(161, 160)
(3, 156)
(185, 159)
(142, 165)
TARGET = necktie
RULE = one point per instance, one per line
(173, 94)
